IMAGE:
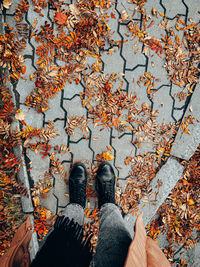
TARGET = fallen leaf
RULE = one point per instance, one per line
(36, 201)
(7, 3)
(190, 202)
(60, 18)
(74, 9)
(35, 23)
(125, 16)
(108, 155)
(121, 73)
(19, 115)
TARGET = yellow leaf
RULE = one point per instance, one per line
(47, 214)
(121, 73)
(94, 55)
(108, 28)
(154, 11)
(186, 131)
(44, 109)
(190, 202)
(107, 155)
(31, 76)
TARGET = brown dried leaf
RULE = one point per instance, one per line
(74, 9)
(35, 23)
(36, 201)
(125, 16)
(19, 115)
(79, 68)
(49, 72)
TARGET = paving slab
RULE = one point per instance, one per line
(164, 103)
(121, 146)
(186, 144)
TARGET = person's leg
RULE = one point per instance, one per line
(77, 192)
(74, 211)
(64, 245)
(113, 240)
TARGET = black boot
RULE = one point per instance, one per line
(105, 184)
(78, 184)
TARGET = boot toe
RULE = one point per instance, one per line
(79, 172)
(105, 171)
(78, 184)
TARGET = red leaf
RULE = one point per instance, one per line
(60, 18)
(155, 45)
(7, 110)
(23, 69)
(113, 15)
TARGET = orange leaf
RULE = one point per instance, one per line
(190, 26)
(23, 69)
(185, 182)
(60, 18)
(186, 131)
(181, 22)
(108, 155)
(115, 121)
(113, 16)
(162, 14)
(178, 40)
(136, 51)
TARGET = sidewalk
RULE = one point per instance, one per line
(128, 60)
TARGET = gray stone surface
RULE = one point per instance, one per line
(24, 87)
(163, 102)
(37, 170)
(193, 256)
(33, 245)
(61, 189)
(22, 174)
(27, 205)
(169, 174)
(186, 144)
(122, 146)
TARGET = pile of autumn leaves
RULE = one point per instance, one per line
(11, 215)
(179, 216)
